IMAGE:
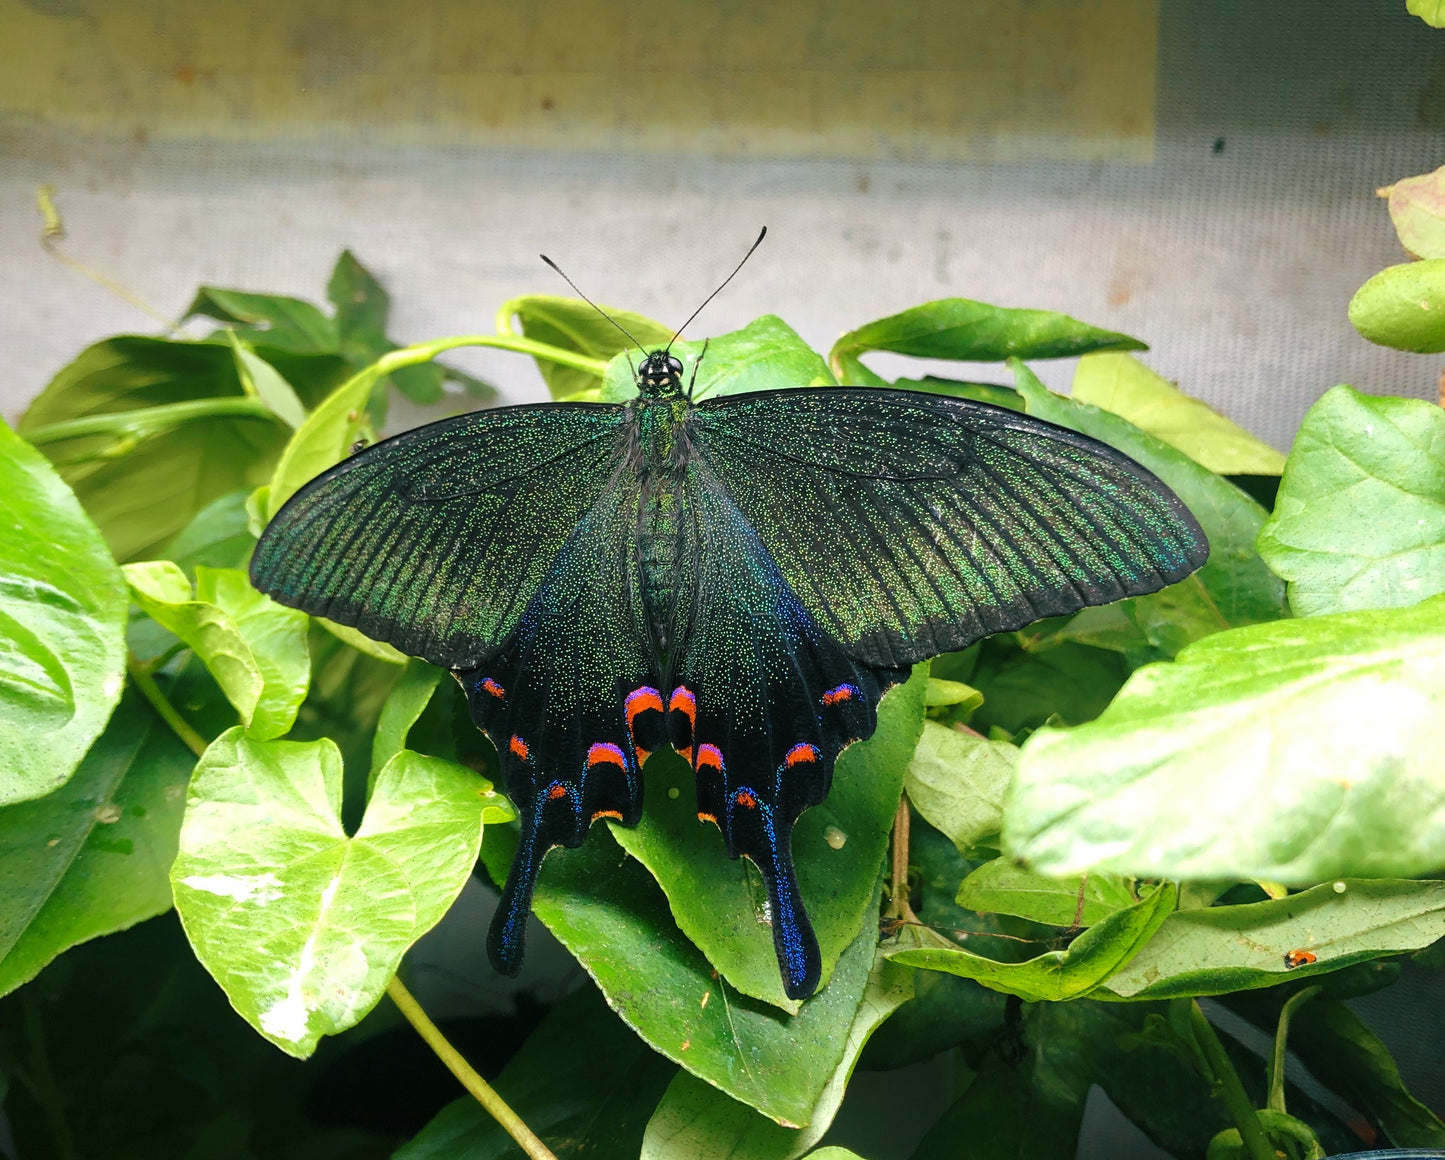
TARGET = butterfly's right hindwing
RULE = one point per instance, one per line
(437, 540)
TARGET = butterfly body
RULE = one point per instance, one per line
(740, 578)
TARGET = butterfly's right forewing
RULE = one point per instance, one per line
(436, 541)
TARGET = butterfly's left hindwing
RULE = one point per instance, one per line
(571, 703)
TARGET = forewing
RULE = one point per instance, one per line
(436, 540)
(911, 525)
(762, 702)
(571, 703)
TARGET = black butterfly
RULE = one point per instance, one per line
(740, 578)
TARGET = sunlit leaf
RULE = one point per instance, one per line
(1360, 518)
(1123, 385)
(957, 780)
(1212, 950)
(1247, 758)
(1403, 307)
(62, 624)
(300, 924)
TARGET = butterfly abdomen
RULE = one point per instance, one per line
(660, 515)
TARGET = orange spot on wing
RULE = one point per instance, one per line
(686, 754)
(640, 701)
(607, 814)
(519, 747)
(799, 754)
(709, 756)
(555, 792)
(702, 817)
(606, 752)
(746, 799)
(495, 689)
(642, 756)
(684, 702)
(833, 696)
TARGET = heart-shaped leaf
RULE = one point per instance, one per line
(300, 924)
(62, 625)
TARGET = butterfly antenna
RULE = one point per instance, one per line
(702, 354)
(716, 292)
(598, 308)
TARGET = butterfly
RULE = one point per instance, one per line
(740, 578)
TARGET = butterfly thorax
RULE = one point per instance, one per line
(661, 464)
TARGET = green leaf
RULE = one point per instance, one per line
(92, 857)
(1234, 587)
(998, 395)
(358, 640)
(263, 381)
(285, 323)
(941, 693)
(610, 913)
(1003, 887)
(1360, 518)
(1417, 204)
(362, 307)
(408, 698)
(697, 1121)
(1022, 689)
(1052, 976)
(323, 440)
(1124, 386)
(582, 1081)
(716, 902)
(1213, 950)
(301, 925)
(1403, 307)
(142, 489)
(1246, 758)
(218, 536)
(571, 324)
(958, 780)
(765, 354)
(1432, 12)
(255, 648)
(957, 328)
(62, 626)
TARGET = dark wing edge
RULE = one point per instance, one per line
(435, 540)
(912, 525)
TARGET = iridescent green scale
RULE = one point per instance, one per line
(740, 578)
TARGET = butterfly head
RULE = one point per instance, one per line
(660, 375)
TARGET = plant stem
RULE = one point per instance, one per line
(426, 351)
(898, 905)
(479, 1089)
(152, 692)
(47, 1091)
(148, 420)
(1241, 1111)
(1281, 1040)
